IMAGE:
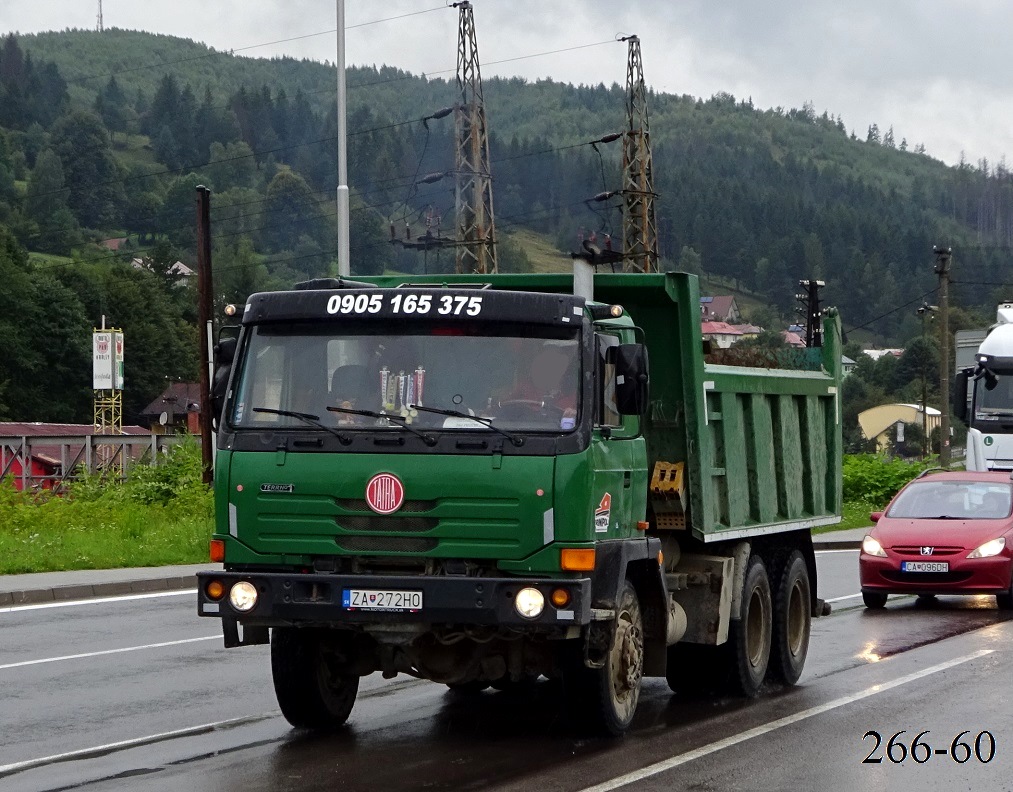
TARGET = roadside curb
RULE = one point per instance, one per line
(849, 545)
(88, 591)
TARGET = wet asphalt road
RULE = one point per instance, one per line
(883, 671)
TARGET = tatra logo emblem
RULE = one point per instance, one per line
(384, 493)
(926, 550)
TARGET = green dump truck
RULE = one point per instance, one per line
(482, 480)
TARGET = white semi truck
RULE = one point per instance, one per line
(983, 393)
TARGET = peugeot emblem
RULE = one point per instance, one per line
(926, 550)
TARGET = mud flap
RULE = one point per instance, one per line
(252, 634)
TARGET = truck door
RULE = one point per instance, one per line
(618, 456)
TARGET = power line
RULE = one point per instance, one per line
(893, 310)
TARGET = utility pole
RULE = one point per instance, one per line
(923, 313)
(942, 268)
(810, 300)
(476, 232)
(640, 224)
(204, 310)
(100, 28)
(344, 254)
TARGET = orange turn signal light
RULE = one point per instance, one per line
(215, 590)
(643, 525)
(560, 597)
(574, 559)
(217, 551)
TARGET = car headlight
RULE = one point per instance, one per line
(871, 547)
(529, 602)
(243, 596)
(989, 549)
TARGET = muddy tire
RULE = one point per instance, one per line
(874, 600)
(750, 636)
(604, 700)
(311, 693)
(792, 621)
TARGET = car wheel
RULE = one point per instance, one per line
(874, 599)
(1005, 601)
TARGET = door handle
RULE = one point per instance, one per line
(627, 479)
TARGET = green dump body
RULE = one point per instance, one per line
(761, 446)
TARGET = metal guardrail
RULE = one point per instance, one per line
(35, 462)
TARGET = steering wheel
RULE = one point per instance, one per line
(522, 407)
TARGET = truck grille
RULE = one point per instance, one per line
(386, 544)
(359, 505)
(386, 524)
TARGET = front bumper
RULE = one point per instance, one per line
(285, 598)
(966, 575)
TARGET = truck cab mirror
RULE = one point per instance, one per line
(632, 379)
(959, 395)
(225, 353)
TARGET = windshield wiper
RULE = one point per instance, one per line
(312, 420)
(399, 420)
(486, 422)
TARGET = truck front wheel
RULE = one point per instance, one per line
(792, 620)
(312, 691)
(749, 637)
(607, 697)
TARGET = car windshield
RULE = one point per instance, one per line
(515, 378)
(976, 500)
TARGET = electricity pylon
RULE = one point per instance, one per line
(640, 224)
(476, 233)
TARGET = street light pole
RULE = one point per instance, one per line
(344, 255)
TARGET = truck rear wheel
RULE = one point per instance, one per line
(311, 691)
(749, 637)
(606, 698)
(792, 621)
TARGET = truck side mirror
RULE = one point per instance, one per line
(632, 379)
(959, 396)
(225, 353)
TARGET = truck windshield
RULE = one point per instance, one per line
(995, 402)
(519, 378)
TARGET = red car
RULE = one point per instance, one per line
(943, 533)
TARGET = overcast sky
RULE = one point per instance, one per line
(939, 71)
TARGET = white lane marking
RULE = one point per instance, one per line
(108, 652)
(99, 750)
(189, 731)
(846, 550)
(780, 723)
(94, 601)
(845, 597)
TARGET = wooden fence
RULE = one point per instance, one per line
(36, 462)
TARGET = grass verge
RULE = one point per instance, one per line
(162, 516)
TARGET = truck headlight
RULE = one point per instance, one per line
(243, 596)
(989, 549)
(529, 602)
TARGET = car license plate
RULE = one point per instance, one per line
(381, 600)
(925, 566)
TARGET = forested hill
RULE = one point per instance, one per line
(103, 136)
